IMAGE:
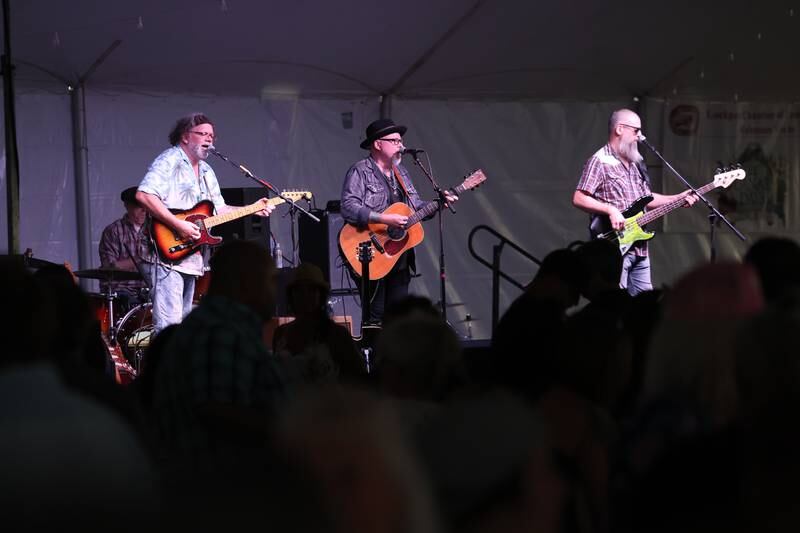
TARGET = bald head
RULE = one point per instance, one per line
(623, 134)
(622, 117)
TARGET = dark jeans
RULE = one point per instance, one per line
(384, 292)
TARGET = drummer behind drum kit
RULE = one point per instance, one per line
(127, 337)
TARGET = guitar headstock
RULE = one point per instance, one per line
(725, 176)
(296, 196)
(473, 180)
(365, 252)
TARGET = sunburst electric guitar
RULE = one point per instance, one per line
(390, 243)
(636, 217)
(171, 247)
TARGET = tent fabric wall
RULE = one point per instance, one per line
(47, 184)
(532, 153)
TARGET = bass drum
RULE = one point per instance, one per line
(98, 303)
(134, 333)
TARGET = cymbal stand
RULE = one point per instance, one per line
(110, 296)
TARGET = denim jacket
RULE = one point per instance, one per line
(365, 189)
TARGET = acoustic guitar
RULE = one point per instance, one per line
(636, 217)
(389, 242)
(171, 247)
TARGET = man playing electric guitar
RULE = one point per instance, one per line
(179, 178)
(373, 184)
(614, 178)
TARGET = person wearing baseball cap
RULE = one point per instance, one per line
(119, 247)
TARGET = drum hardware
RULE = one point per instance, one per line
(112, 328)
(133, 334)
(109, 275)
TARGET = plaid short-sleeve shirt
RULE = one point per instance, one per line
(607, 179)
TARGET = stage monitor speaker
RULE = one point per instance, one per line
(319, 244)
(250, 228)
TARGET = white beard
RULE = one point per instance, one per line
(200, 152)
(630, 151)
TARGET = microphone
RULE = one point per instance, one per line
(642, 139)
(213, 150)
(411, 151)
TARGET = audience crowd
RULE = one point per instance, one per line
(591, 412)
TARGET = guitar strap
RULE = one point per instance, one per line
(642, 168)
(399, 179)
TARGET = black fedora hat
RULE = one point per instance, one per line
(381, 128)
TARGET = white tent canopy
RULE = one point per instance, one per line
(520, 89)
(547, 50)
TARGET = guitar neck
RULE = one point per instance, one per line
(659, 212)
(216, 220)
(430, 208)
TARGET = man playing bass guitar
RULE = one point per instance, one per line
(613, 179)
(373, 184)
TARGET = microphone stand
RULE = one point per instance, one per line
(264, 184)
(713, 214)
(442, 201)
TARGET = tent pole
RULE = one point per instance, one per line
(80, 151)
(80, 159)
(12, 156)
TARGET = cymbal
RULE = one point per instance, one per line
(449, 305)
(109, 274)
(32, 262)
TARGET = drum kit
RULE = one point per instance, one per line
(126, 329)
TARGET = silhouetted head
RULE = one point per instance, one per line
(244, 272)
(777, 263)
(28, 326)
(603, 267)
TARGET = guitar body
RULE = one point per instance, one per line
(636, 218)
(172, 248)
(633, 232)
(394, 241)
(167, 240)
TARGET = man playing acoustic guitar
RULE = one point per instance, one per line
(373, 184)
(179, 178)
(613, 179)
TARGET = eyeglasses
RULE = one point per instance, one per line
(205, 134)
(395, 142)
(634, 128)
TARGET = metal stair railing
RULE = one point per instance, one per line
(494, 265)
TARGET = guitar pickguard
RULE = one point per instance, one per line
(393, 247)
(632, 233)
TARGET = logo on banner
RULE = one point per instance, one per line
(684, 120)
(761, 197)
